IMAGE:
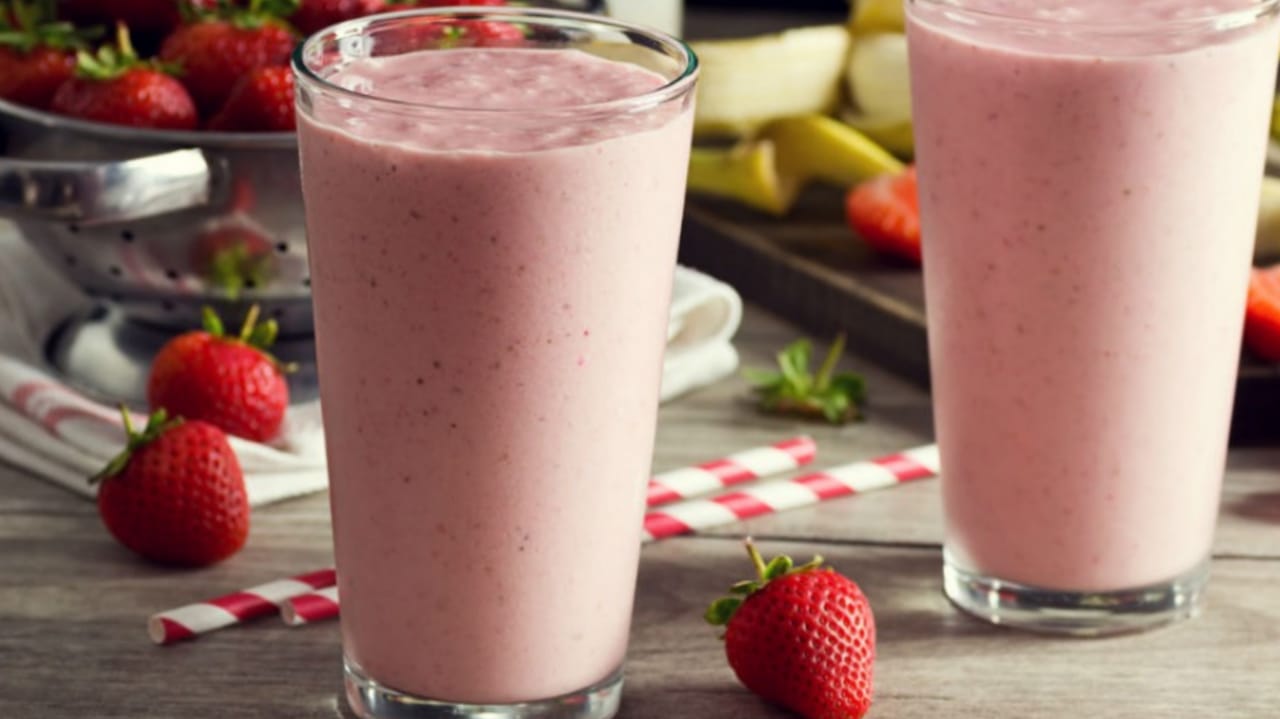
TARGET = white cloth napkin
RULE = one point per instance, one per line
(53, 432)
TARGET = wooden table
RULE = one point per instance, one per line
(73, 603)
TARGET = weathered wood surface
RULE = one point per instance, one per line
(73, 604)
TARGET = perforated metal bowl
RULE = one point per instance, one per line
(158, 224)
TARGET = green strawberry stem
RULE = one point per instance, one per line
(256, 14)
(258, 335)
(823, 379)
(157, 424)
(723, 609)
(250, 320)
(34, 24)
(792, 389)
(211, 322)
(112, 61)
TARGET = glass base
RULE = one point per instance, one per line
(1082, 614)
(370, 700)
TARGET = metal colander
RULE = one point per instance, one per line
(157, 224)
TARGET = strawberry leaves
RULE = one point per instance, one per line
(259, 335)
(794, 389)
(157, 424)
(723, 609)
(34, 25)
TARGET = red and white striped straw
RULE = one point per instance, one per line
(195, 619)
(772, 497)
(739, 467)
(311, 607)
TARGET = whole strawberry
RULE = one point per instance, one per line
(262, 101)
(229, 382)
(233, 257)
(800, 637)
(37, 54)
(315, 15)
(175, 495)
(219, 47)
(115, 86)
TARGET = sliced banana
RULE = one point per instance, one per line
(747, 82)
(878, 77)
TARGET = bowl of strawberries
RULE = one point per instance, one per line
(147, 149)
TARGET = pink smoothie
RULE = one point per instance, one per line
(1088, 199)
(491, 293)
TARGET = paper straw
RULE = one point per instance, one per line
(311, 607)
(694, 514)
(744, 466)
(771, 497)
(195, 619)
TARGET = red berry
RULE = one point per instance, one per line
(230, 382)
(176, 495)
(115, 86)
(215, 53)
(802, 638)
(37, 53)
(1262, 313)
(233, 257)
(32, 78)
(885, 212)
(139, 97)
(315, 15)
(262, 101)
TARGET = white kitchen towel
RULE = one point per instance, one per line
(58, 434)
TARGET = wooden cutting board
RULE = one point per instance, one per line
(807, 268)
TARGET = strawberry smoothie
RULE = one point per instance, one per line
(1089, 179)
(492, 256)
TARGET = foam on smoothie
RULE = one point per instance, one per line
(493, 99)
(1110, 27)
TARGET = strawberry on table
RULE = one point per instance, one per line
(37, 54)
(115, 86)
(219, 47)
(1262, 313)
(262, 101)
(800, 637)
(176, 494)
(230, 382)
(885, 212)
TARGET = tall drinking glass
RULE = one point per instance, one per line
(493, 205)
(1089, 175)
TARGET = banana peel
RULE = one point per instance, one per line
(868, 16)
(746, 172)
(768, 171)
(1266, 248)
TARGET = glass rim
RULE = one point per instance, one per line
(673, 88)
(1218, 21)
